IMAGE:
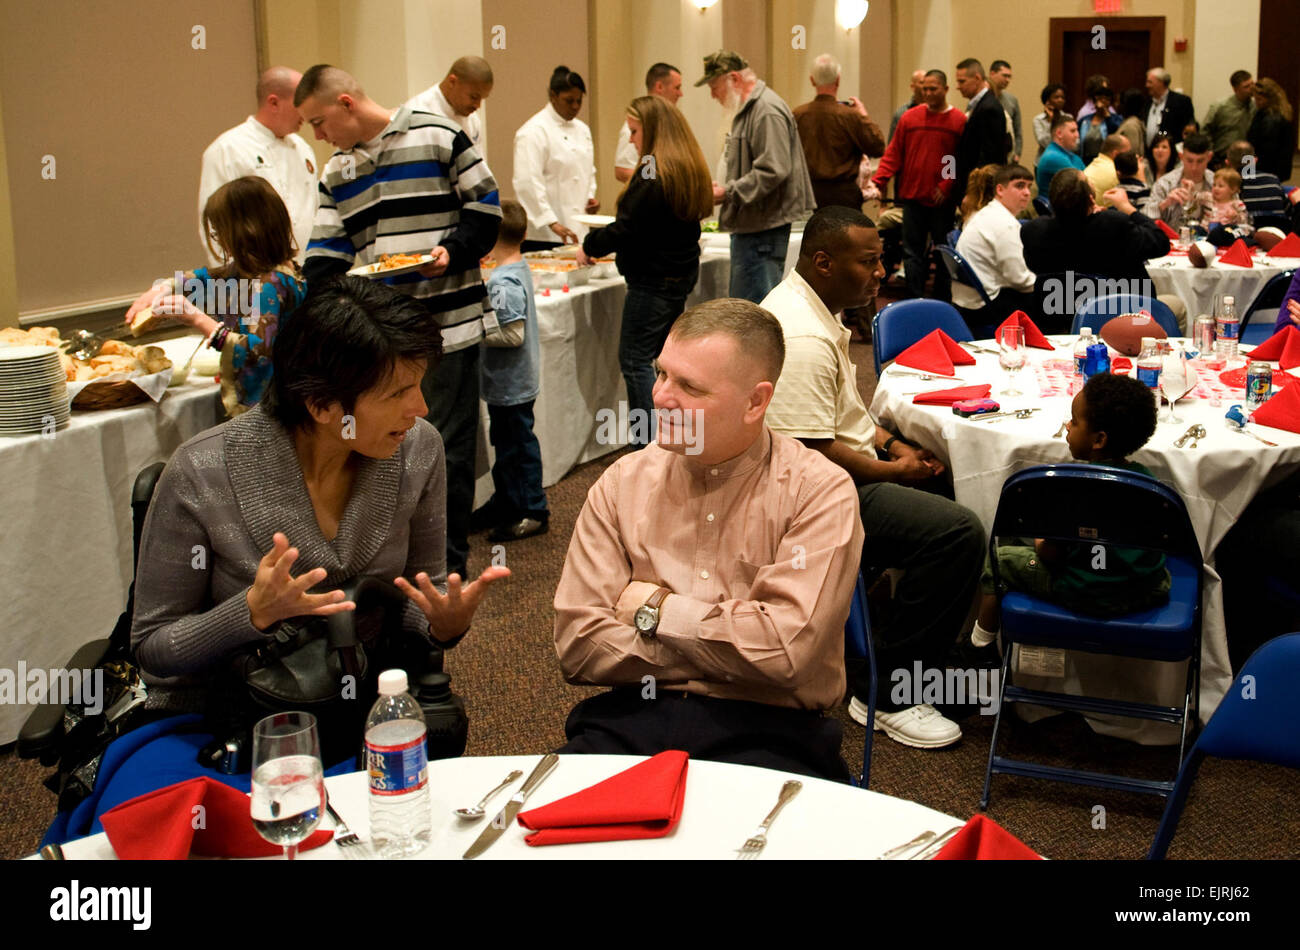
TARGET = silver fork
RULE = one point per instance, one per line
(1061, 431)
(935, 846)
(344, 836)
(754, 845)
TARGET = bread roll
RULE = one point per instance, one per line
(145, 321)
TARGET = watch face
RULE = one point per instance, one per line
(646, 618)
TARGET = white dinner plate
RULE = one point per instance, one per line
(19, 354)
(594, 220)
(376, 270)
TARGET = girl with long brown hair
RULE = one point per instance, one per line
(1270, 131)
(238, 305)
(656, 235)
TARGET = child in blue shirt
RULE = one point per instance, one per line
(509, 379)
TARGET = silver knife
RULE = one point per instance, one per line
(505, 818)
(935, 846)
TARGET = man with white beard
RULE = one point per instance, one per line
(767, 187)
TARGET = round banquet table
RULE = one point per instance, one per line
(724, 804)
(1217, 481)
(1198, 287)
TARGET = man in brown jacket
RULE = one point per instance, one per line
(835, 138)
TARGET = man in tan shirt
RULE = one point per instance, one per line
(937, 543)
(709, 576)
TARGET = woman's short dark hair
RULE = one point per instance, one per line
(344, 339)
(1050, 90)
(1070, 195)
(562, 81)
(1121, 407)
(1132, 102)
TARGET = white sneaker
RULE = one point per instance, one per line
(921, 727)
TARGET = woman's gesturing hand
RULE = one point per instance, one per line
(277, 595)
(450, 614)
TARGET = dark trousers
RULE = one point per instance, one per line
(940, 546)
(922, 224)
(621, 722)
(517, 470)
(648, 313)
(527, 247)
(1006, 303)
(451, 392)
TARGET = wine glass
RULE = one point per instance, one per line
(288, 783)
(1175, 379)
(1011, 356)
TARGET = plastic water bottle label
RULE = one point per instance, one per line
(1228, 329)
(397, 769)
(1079, 365)
(1148, 376)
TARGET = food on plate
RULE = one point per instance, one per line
(1125, 332)
(145, 321)
(391, 261)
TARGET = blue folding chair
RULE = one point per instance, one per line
(1043, 207)
(959, 269)
(1055, 296)
(1098, 310)
(1101, 507)
(857, 642)
(1269, 298)
(900, 324)
(1254, 722)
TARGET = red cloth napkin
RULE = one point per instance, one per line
(644, 801)
(1282, 347)
(1238, 254)
(160, 826)
(946, 397)
(936, 352)
(1169, 232)
(985, 840)
(1033, 335)
(1289, 246)
(1282, 411)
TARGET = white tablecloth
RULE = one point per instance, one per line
(1217, 481)
(65, 548)
(724, 805)
(1199, 287)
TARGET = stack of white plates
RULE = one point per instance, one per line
(33, 390)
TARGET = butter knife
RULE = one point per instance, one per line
(506, 817)
(935, 846)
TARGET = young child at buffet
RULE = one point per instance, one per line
(239, 305)
(508, 375)
(1110, 419)
(1221, 205)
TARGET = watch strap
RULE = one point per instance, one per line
(657, 598)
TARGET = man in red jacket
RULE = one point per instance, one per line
(924, 148)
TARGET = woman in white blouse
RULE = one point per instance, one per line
(555, 166)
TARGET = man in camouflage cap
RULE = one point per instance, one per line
(767, 186)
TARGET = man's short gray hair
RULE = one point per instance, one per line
(825, 70)
(1161, 73)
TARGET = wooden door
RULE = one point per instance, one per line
(1123, 54)
(1277, 57)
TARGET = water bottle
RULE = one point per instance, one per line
(1081, 357)
(1227, 328)
(1148, 367)
(398, 765)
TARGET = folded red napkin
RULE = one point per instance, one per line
(936, 352)
(1033, 335)
(985, 840)
(1283, 343)
(644, 801)
(198, 816)
(1237, 254)
(1289, 246)
(1169, 232)
(1282, 411)
(946, 397)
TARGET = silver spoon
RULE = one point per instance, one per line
(477, 812)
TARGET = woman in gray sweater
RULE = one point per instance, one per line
(335, 475)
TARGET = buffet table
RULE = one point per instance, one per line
(1217, 480)
(723, 805)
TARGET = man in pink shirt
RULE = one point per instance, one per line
(709, 576)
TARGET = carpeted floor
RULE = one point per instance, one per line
(518, 701)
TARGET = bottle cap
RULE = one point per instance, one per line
(392, 682)
(1229, 300)
(1148, 341)
(1085, 331)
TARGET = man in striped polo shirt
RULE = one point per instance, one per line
(411, 182)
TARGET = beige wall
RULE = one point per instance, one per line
(301, 34)
(1227, 39)
(8, 272)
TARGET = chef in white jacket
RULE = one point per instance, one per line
(265, 145)
(459, 97)
(555, 166)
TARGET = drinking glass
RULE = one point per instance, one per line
(1011, 356)
(288, 783)
(1176, 379)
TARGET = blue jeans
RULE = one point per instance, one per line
(758, 262)
(648, 314)
(517, 471)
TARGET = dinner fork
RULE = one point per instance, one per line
(344, 836)
(754, 845)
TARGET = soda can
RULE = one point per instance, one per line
(1205, 335)
(1259, 384)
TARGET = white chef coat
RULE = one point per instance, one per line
(626, 154)
(555, 172)
(289, 164)
(432, 100)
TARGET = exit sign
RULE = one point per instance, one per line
(1107, 6)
